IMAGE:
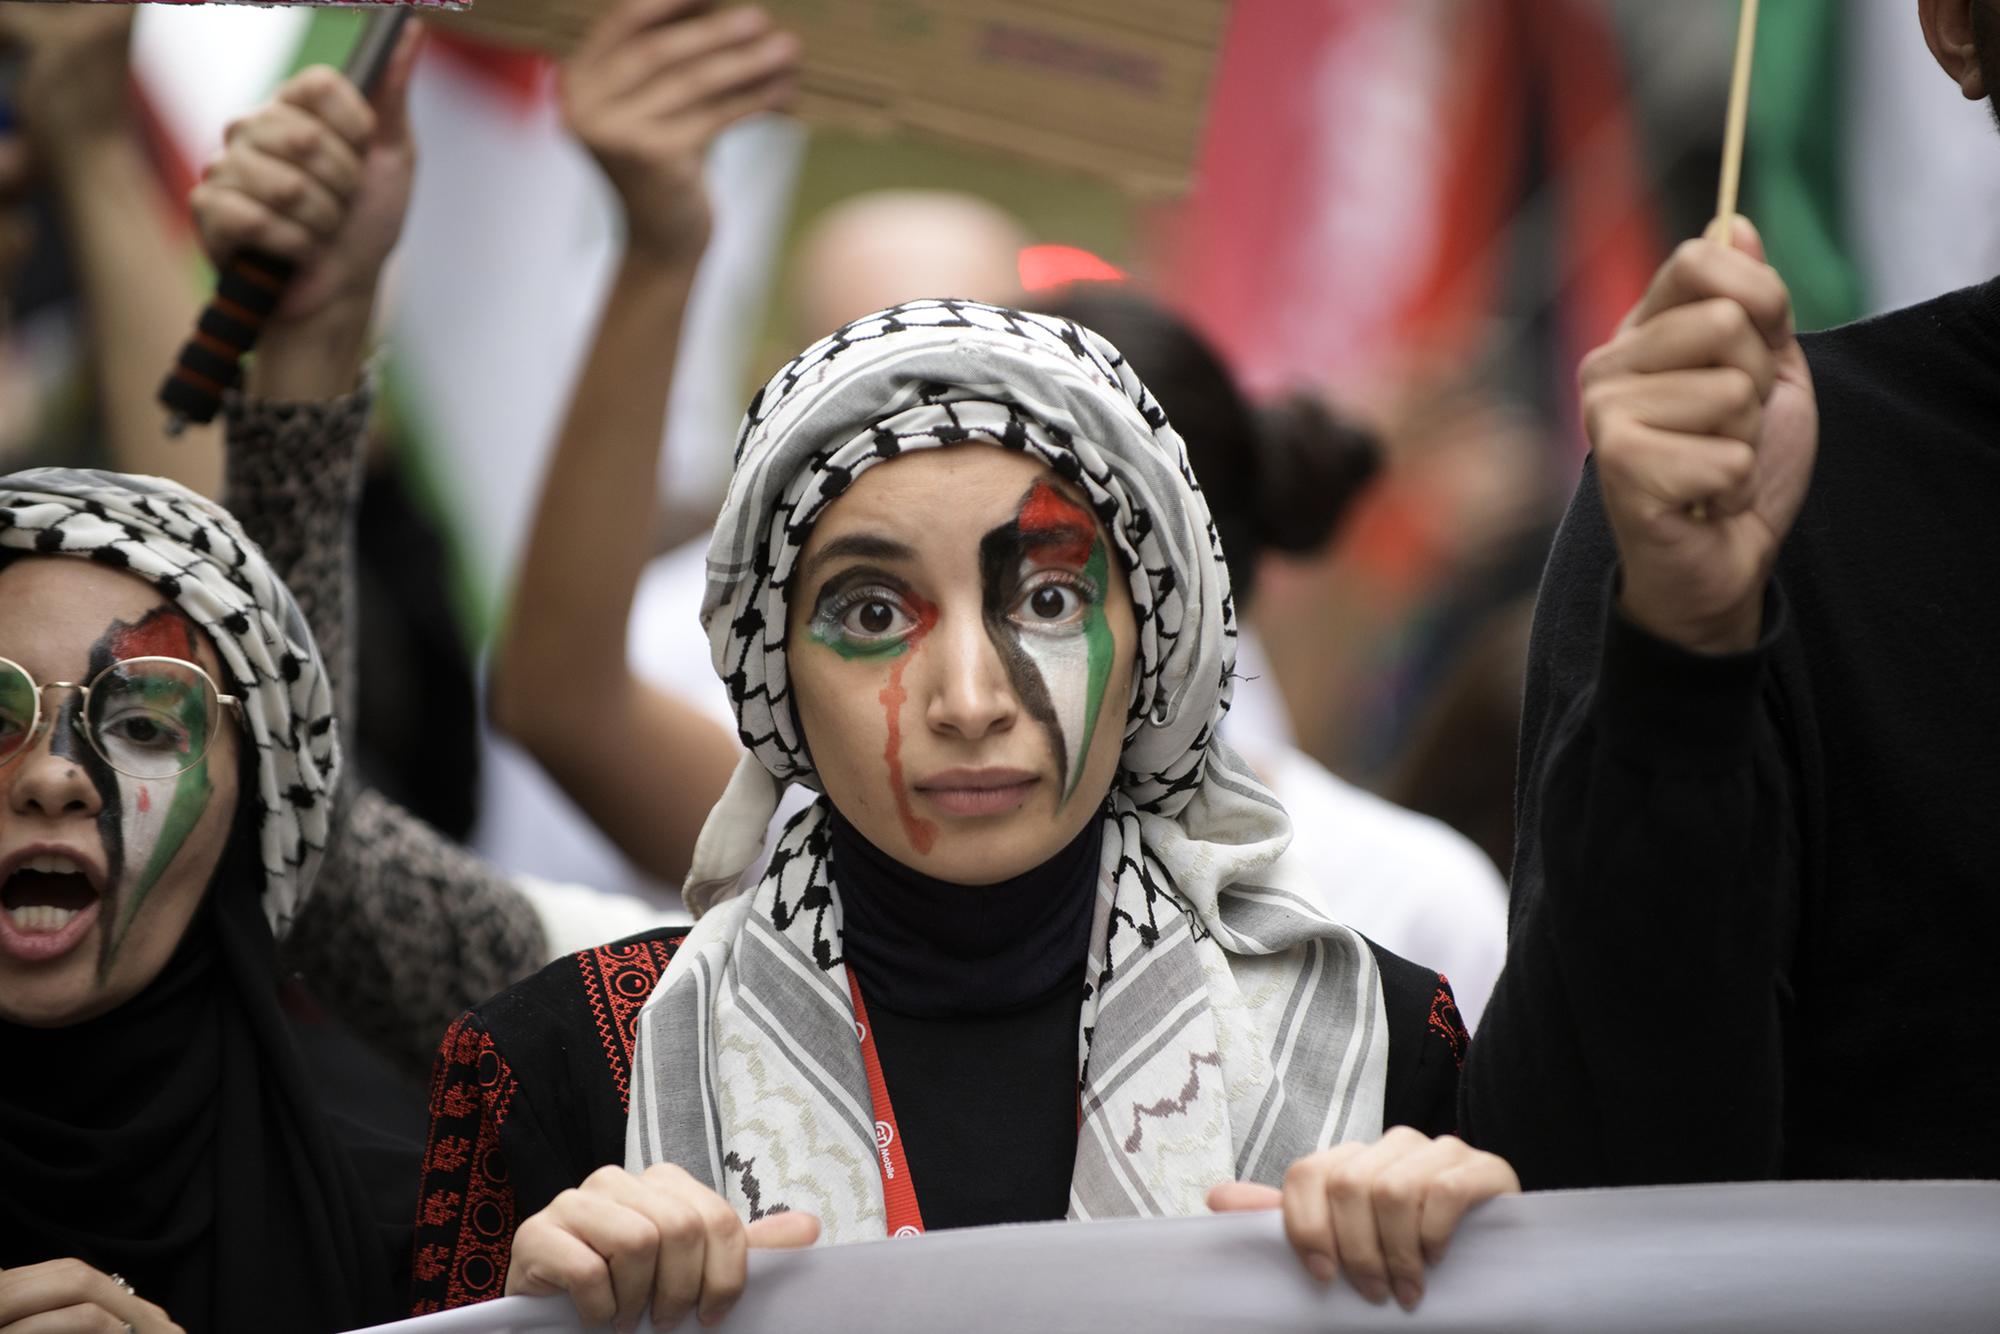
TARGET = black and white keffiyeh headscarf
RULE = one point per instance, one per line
(1228, 1028)
(197, 556)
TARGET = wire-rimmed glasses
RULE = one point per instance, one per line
(146, 717)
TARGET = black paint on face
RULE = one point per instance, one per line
(1003, 555)
(120, 640)
(67, 742)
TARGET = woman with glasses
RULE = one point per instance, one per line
(182, 1145)
(169, 770)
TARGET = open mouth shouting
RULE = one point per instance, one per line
(49, 898)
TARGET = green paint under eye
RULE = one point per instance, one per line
(191, 793)
(17, 703)
(828, 625)
(1097, 635)
(850, 648)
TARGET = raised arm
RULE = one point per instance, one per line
(134, 265)
(1637, 1034)
(405, 929)
(647, 92)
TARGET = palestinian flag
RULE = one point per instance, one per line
(1867, 172)
(1384, 186)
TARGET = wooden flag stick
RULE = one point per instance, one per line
(1739, 112)
(1732, 155)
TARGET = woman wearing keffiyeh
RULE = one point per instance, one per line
(169, 767)
(185, 1142)
(964, 584)
(1017, 962)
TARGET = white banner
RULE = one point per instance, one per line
(1823, 1256)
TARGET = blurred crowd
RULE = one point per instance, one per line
(1373, 369)
(1393, 615)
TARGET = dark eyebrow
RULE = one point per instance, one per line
(867, 546)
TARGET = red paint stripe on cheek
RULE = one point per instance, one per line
(921, 833)
(145, 801)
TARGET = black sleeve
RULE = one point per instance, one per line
(1427, 1043)
(1635, 1035)
(528, 1097)
(405, 929)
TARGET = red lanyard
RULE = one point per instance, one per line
(899, 1194)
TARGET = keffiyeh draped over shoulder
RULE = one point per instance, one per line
(1227, 1028)
(196, 554)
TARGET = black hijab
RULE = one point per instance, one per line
(179, 1141)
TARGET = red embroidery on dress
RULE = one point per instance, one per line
(617, 979)
(1445, 1021)
(465, 1211)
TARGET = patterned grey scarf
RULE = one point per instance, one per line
(196, 554)
(1227, 1027)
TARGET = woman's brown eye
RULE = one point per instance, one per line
(1049, 603)
(875, 618)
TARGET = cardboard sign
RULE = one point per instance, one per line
(1117, 90)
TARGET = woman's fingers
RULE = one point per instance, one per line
(623, 1245)
(1712, 332)
(325, 94)
(679, 53)
(782, 1232)
(626, 21)
(592, 1246)
(1720, 400)
(1671, 471)
(279, 186)
(70, 1297)
(1402, 1192)
(1233, 1197)
(724, 1259)
(1700, 270)
(1309, 1214)
(677, 1277)
(719, 75)
(667, 1278)
(27, 1291)
(1381, 1211)
(548, 1259)
(229, 220)
(1350, 1191)
(87, 1318)
(1474, 1178)
(292, 134)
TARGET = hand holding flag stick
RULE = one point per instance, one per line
(253, 283)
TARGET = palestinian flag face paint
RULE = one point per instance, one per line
(1044, 580)
(145, 822)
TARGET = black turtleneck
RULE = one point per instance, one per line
(974, 993)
